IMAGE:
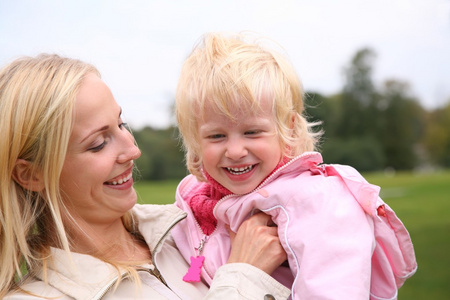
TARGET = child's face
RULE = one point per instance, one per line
(239, 155)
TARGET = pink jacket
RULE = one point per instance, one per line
(341, 239)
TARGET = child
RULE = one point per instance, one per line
(239, 110)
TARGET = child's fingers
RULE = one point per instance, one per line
(257, 243)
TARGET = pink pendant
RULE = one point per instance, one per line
(193, 274)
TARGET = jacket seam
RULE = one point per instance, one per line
(285, 237)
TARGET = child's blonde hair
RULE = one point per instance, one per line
(227, 72)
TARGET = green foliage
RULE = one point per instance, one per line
(367, 128)
(358, 84)
(357, 95)
(365, 153)
(324, 109)
(437, 139)
(402, 125)
(162, 156)
(421, 201)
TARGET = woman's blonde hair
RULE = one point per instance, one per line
(37, 96)
(227, 72)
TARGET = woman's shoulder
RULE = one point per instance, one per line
(156, 221)
(146, 212)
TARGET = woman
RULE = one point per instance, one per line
(68, 213)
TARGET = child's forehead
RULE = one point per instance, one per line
(240, 119)
(237, 110)
(233, 103)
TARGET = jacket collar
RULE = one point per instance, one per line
(156, 221)
(83, 276)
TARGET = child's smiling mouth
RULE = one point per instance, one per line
(241, 170)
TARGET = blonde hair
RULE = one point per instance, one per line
(37, 96)
(227, 72)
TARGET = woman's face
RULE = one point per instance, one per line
(96, 180)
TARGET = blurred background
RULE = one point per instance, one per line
(139, 45)
(375, 72)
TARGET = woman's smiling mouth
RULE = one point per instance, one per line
(121, 178)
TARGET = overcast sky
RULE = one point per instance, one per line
(139, 46)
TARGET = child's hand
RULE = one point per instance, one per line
(257, 244)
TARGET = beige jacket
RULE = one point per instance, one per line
(86, 277)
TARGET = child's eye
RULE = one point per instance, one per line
(98, 148)
(252, 132)
(216, 136)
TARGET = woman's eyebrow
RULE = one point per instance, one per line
(103, 128)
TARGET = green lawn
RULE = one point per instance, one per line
(422, 202)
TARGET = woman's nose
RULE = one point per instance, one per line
(236, 149)
(130, 150)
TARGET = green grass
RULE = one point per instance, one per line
(156, 192)
(421, 201)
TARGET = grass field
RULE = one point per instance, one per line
(422, 202)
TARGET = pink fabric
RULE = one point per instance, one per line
(338, 246)
(205, 197)
(202, 202)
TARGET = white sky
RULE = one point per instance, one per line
(139, 45)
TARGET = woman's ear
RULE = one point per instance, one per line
(22, 174)
(293, 120)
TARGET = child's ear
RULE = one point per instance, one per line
(23, 176)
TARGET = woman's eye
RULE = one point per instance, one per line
(124, 125)
(98, 148)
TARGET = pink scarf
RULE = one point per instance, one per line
(205, 197)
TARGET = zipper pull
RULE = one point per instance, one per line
(155, 272)
(195, 269)
(202, 243)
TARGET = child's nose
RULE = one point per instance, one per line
(236, 149)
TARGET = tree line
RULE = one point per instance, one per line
(366, 126)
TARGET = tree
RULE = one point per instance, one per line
(162, 156)
(365, 154)
(366, 127)
(357, 95)
(401, 124)
(327, 110)
(437, 136)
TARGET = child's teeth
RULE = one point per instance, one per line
(240, 170)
